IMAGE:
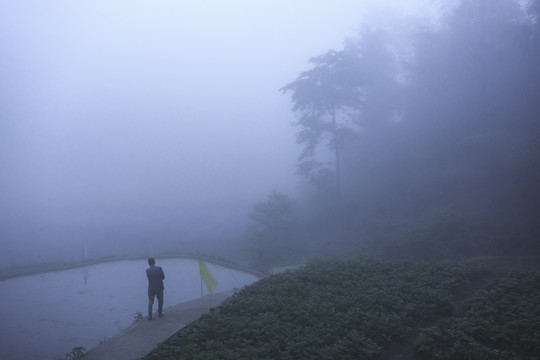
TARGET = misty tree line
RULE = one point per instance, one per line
(417, 141)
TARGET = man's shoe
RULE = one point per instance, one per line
(160, 315)
(149, 318)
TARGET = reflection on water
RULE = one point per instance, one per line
(44, 316)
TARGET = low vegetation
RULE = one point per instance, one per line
(76, 353)
(501, 322)
(361, 309)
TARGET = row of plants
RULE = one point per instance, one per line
(328, 309)
(500, 322)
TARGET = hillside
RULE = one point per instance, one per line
(358, 309)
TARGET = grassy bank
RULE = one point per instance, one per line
(367, 310)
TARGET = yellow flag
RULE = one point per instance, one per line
(207, 277)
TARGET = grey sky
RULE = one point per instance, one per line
(122, 107)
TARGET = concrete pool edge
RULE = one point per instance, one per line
(9, 273)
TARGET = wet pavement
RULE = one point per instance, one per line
(141, 337)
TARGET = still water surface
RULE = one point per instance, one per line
(44, 316)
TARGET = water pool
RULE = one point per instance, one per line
(44, 316)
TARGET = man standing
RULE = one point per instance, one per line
(155, 277)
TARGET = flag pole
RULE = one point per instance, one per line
(200, 274)
(206, 276)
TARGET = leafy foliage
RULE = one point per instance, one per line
(76, 353)
(445, 121)
(272, 226)
(137, 317)
(329, 309)
(502, 322)
(328, 98)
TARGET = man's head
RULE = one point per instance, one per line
(151, 262)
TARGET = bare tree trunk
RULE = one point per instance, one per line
(336, 146)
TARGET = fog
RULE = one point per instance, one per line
(270, 130)
(127, 124)
(265, 134)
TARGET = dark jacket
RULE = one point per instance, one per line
(155, 277)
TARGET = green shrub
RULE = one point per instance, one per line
(329, 309)
(501, 322)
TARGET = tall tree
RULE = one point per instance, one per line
(328, 98)
(272, 228)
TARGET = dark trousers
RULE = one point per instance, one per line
(151, 296)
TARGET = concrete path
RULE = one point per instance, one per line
(140, 338)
